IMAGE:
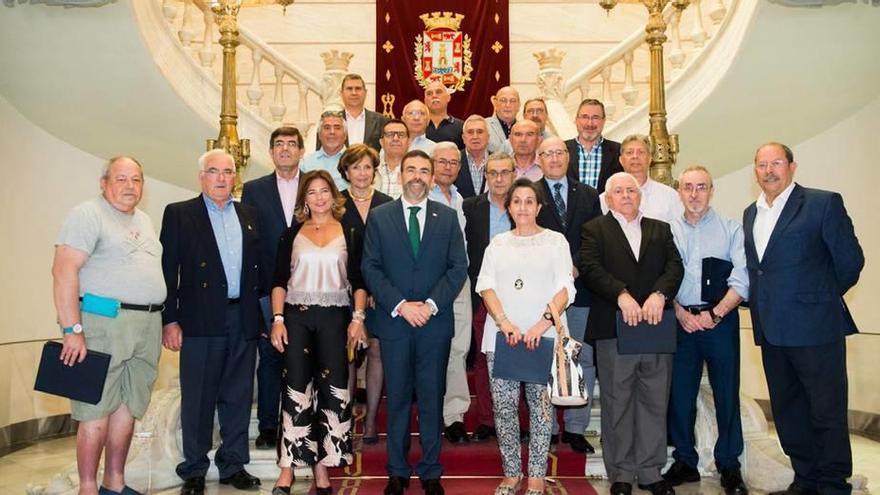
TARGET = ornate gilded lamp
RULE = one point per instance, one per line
(226, 14)
(665, 144)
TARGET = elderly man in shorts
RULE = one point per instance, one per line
(108, 248)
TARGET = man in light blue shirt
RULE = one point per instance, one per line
(708, 333)
(332, 134)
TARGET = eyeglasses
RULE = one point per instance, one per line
(700, 188)
(591, 118)
(226, 172)
(286, 144)
(415, 113)
(552, 153)
(394, 134)
(445, 162)
(494, 174)
(475, 131)
(508, 101)
(774, 164)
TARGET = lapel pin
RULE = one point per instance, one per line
(433, 214)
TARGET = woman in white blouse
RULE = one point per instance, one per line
(523, 271)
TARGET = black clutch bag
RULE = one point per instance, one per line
(519, 364)
(83, 381)
(645, 338)
(713, 280)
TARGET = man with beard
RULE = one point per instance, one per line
(592, 159)
(331, 132)
(414, 265)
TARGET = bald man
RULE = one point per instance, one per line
(506, 103)
(442, 126)
(415, 117)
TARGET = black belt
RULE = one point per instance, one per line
(698, 308)
(233, 301)
(149, 308)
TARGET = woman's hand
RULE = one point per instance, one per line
(511, 332)
(278, 338)
(357, 334)
(532, 337)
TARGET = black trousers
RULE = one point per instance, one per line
(808, 396)
(315, 402)
(216, 373)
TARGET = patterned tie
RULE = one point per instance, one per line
(414, 234)
(560, 204)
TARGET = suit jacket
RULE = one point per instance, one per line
(476, 233)
(372, 130)
(464, 183)
(392, 273)
(582, 205)
(609, 265)
(497, 138)
(263, 195)
(812, 258)
(610, 161)
(197, 285)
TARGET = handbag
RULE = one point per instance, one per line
(566, 386)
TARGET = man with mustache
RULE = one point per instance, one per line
(592, 159)
(441, 126)
(211, 263)
(802, 256)
(414, 264)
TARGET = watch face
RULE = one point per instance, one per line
(78, 328)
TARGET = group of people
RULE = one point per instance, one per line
(411, 241)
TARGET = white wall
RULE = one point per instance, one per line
(842, 159)
(43, 178)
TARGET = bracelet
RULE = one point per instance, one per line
(358, 315)
(279, 318)
(278, 314)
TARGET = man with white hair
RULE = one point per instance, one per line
(211, 265)
(471, 180)
(631, 266)
(107, 247)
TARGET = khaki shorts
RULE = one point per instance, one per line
(134, 341)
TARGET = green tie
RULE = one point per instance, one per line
(414, 234)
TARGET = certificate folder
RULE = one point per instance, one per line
(519, 364)
(83, 381)
(645, 338)
(713, 281)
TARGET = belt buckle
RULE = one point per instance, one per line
(302, 307)
(694, 310)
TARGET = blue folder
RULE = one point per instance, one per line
(645, 338)
(83, 381)
(519, 364)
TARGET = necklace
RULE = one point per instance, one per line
(368, 197)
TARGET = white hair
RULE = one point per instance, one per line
(208, 155)
(621, 175)
(443, 146)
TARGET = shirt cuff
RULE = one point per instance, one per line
(394, 312)
(434, 309)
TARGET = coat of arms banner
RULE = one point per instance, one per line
(463, 43)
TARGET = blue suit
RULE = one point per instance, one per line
(414, 359)
(800, 320)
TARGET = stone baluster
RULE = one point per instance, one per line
(550, 81)
(206, 53)
(676, 54)
(607, 98)
(335, 68)
(187, 32)
(584, 89)
(698, 34)
(302, 113)
(255, 89)
(629, 93)
(717, 11)
(169, 10)
(278, 108)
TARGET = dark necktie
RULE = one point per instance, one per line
(560, 204)
(414, 234)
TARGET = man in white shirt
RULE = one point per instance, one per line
(659, 201)
(415, 116)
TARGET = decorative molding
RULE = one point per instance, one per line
(61, 3)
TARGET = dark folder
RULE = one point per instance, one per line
(519, 364)
(266, 311)
(647, 339)
(83, 381)
(713, 282)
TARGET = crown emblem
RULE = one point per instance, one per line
(447, 20)
(334, 60)
(551, 58)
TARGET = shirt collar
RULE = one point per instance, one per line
(779, 201)
(423, 204)
(595, 146)
(707, 217)
(213, 206)
(294, 180)
(473, 160)
(362, 116)
(623, 221)
(551, 182)
(322, 153)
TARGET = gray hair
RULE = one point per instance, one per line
(622, 175)
(641, 138)
(475, 118)
(695, 168)
(499, 156)
(208, 155)
(105, 170)
(443, 146)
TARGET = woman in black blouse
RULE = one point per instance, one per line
(358, 166)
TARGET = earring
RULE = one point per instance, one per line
(306, 210)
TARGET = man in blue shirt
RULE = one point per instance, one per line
(332, 134)
(708, 332)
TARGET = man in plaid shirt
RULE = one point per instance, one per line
(592, 159)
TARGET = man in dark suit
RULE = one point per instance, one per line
(485, 217)
(414, 265)
(471, 178)
(631, 265)
(362, 125)
(592, 159)
(568, 205)
(211, 263)
(802, 256)
(274, 197)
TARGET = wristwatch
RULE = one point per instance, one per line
(77, 328)
(715, 318)
(548, 316)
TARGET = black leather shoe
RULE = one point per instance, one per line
(281, 490)
(732, 482)
(795, 489)
(578, 443)
(661, 487)
(483, 432)
(323, 490)
(679, 473)
(193, 486)
(621, 488)
(266, 439)
(432, 487)
(241, 480)
(456, 433)
(396, 485)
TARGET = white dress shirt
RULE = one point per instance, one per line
(766, 217)
(355, 126)
(287, 189)
(632, 231)
(659, 202)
